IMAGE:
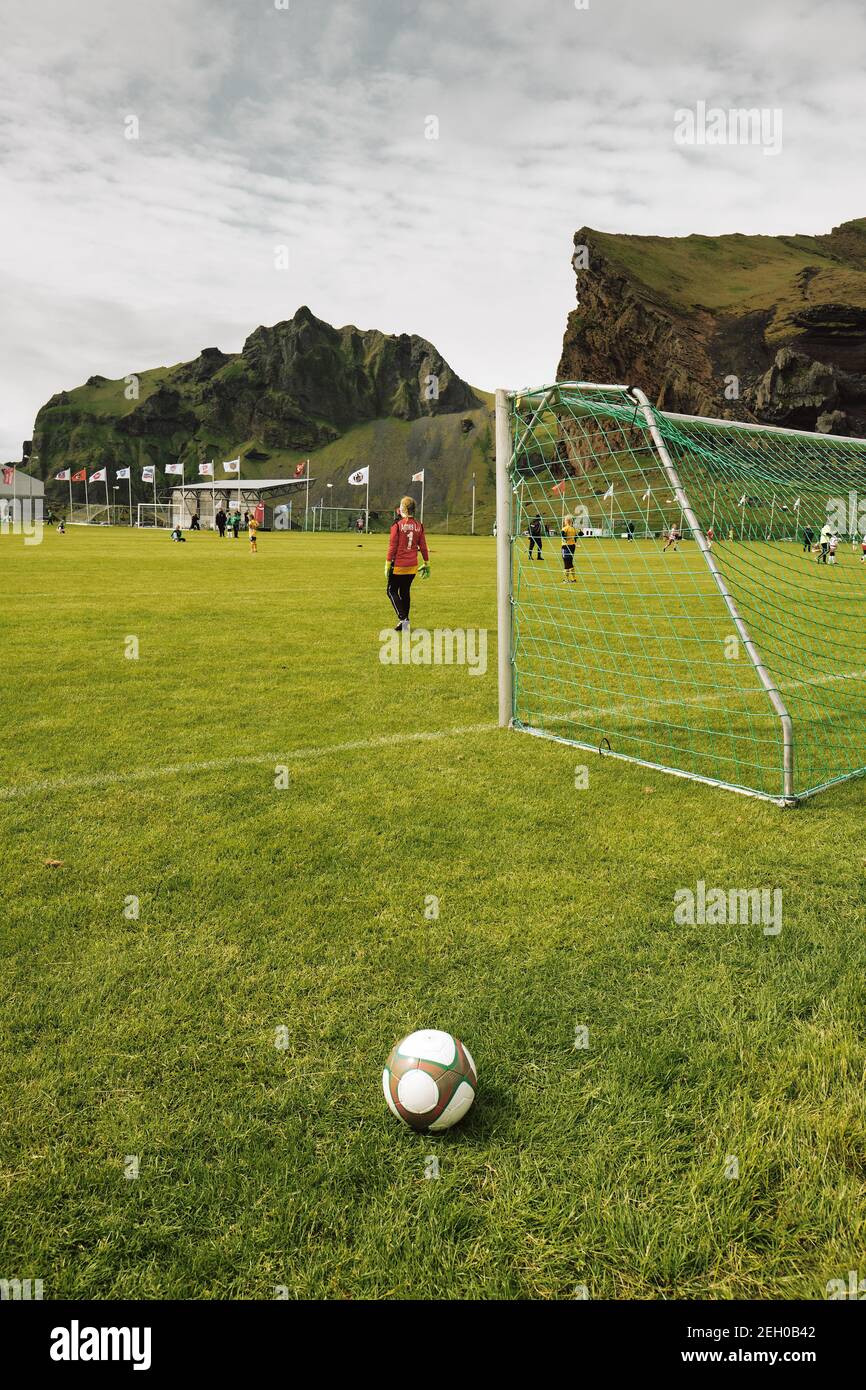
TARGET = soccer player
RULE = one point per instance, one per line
(826, 533)
(569, 541)
(253, 527)
(673, 537)
(808, 537)
(406, 539)
(831, 547)
(535, 533)
(711, 536)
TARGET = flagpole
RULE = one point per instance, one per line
(648, 495)
(713, 520)
(307, 502)
(86, 498)
(772, 510)
(473, 504)
(70, 494)
(367, 506)
(107, 503)
(129, 486)
(422, 493)
(154, 494)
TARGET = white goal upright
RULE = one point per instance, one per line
(713, 625)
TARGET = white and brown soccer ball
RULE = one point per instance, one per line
(430, 1080)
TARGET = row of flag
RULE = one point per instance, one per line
(148, 473)
(559, 490)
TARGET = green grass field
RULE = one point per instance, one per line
(265, 1168)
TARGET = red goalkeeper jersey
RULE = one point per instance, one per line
(407, 538)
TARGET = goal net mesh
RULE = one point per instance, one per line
(636, 652)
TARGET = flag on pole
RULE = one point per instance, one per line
(232, 466)
(742, 501)
(418, 477)
(299, 471)
(147, 474)
(609, 493)
(64, 476)
(206, 470)
(100, 476)
(8, 475)
(360, 478)
(174, 468)
(80, 476)
(797, 503)
(123, 473)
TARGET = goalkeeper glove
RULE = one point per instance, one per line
(389, 565)
(425, 570)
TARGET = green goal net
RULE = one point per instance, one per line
(711, 620)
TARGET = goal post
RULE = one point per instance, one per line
(712, 623)
(154, 514)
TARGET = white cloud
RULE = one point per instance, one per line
(306, 127)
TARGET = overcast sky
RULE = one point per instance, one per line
(307, 127)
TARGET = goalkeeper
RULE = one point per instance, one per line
(406, 540)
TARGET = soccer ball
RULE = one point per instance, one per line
(430, 1080)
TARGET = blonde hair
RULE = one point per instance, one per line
(407, 506)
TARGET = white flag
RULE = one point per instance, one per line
(647, 495)
(360, 478)
(98, 476)
(418, 477)
(742, 501)
(174, 468)
(206, 470)
(609, 493)
(797, 503)
(233, 466)
(122, 473)
(63, 476)
(147, 474)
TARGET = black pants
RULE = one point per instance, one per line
(534, 540)
(221, 529)
(398, 592)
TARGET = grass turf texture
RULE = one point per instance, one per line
(262, 1167)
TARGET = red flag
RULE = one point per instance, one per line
(559, 489)
(80, 476)
(299, 471)
(8, 476)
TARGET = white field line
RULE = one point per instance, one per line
(149, 774)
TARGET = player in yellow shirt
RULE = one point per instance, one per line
(569, 541)
(253, 525)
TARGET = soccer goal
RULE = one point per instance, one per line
(154, 514)
(714, 622)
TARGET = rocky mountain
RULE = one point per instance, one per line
(299, 388)
(751, 327)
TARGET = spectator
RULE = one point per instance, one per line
(221, 520)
